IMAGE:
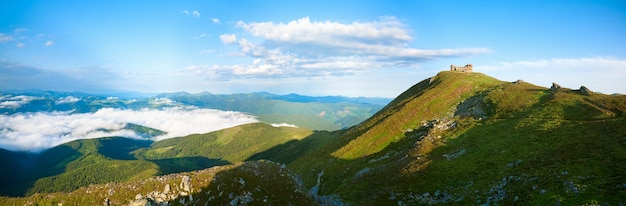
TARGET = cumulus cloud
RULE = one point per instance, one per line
(41, 130)
(228, 38)
(215, 20)
(193, 13)
(603, 74)
(326, 48)
(49, 43)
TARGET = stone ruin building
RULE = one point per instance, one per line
(467, 68)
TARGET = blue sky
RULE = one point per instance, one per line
(351, 48)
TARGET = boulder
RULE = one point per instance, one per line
(185, 183)
(167, 189)
(140, 202)
(585, 91)
(555, 86)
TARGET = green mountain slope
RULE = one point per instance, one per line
(229, 145)
(236, 184)
(456, 138)
(70, 166)
(471, 139)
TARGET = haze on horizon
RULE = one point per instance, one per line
(349, 48)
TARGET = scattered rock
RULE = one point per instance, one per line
(585, 91)
(519, 81)
(140, 202)
(138, 197)
(473, 106)
(185, 183)
(514, 163)
(167, 189)
(554, 86)
(362, 172)
(454, 155)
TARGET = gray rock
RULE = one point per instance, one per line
(140, 202)
(554, 86)
(167, 189)
(585, 91)
(185, 183)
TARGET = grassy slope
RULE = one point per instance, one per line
(93, 161)
(215, 186)
(544, 146)
(233, 144)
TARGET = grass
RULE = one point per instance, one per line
(535, 146)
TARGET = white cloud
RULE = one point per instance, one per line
(228, 38)
(67, 100)
(19, 30)
(602, 74)
(37, 131)
(5, 38)
(384, 31)
(15, 101)
(20, 45)
(193, 13)
(163, 101)
(284, 125)
(322, 48)
(200, 36)
(215, 20)
(49, 43)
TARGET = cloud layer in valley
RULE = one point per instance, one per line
(42, 130)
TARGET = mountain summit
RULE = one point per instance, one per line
(455, 138)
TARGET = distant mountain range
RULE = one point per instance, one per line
(319, 113)
(455, 138)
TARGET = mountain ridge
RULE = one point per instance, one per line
(461, 138)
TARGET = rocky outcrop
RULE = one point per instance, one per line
(555, 87)
(466, 69)
(185, 184)
(585, 91)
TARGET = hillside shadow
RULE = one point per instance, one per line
(292, 150)
(186, 164)
(120, 147)
(22, 174)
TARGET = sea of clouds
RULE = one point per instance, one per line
(41, 130)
